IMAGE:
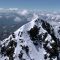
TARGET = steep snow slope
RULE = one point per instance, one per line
(33, 41)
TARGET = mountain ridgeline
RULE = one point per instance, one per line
(36, 40)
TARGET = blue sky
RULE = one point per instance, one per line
(31, 4)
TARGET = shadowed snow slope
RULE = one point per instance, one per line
(36, 40)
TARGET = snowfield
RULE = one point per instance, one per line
(36, 40)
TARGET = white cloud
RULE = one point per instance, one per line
(35, 16)
(13, 9)
(57, 17)
(8, 10)
(23, 12)
(17, 19)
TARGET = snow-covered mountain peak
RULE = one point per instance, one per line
(36, 40)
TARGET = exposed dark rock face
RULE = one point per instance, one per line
(9, 49)
(59, 31)
(11, 43)
(49, 29)
(35, 37)
(20, 55)
(54, 51)
(34, 33)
